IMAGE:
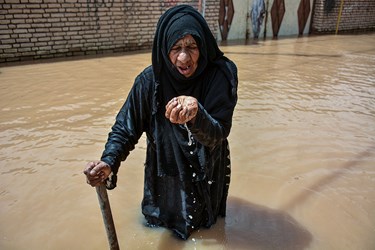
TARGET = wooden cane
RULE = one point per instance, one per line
(107, 217)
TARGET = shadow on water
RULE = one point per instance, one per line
(251, 226)
(322, 183)
(246, 226)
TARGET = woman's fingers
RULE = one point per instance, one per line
(96, 172)
(94, 183)
(170, 106)
(175, 114)
(181, 109)
(89, 166)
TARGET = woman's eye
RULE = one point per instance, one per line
(190, 48)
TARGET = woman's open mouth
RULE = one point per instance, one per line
(185, 70)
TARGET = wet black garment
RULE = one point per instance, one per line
(187, 168)
(173, 25)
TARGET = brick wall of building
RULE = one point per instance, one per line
(36, 29)
(356, 15)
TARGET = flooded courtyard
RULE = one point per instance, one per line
(302, 142)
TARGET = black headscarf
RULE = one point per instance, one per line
(174, 155)
(173, 25)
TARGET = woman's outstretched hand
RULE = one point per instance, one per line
(181, 109)
(96, 172)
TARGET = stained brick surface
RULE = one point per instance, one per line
(356, 15)
(35, 29)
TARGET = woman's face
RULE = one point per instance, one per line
(184, 55)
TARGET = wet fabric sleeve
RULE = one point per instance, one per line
(206, 129)
(129, 125)
(214, 117)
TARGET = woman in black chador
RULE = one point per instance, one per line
(184, 103)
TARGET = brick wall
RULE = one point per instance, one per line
(357, 15)
(37, 29)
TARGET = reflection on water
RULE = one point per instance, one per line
(303, 143)
(248, 226)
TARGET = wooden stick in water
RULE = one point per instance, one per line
(107, 217)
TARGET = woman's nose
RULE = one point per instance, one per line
(183, 56)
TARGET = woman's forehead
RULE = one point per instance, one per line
(186, 40)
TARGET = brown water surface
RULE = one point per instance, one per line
(303, 151)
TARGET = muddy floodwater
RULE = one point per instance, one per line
(302, 142)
